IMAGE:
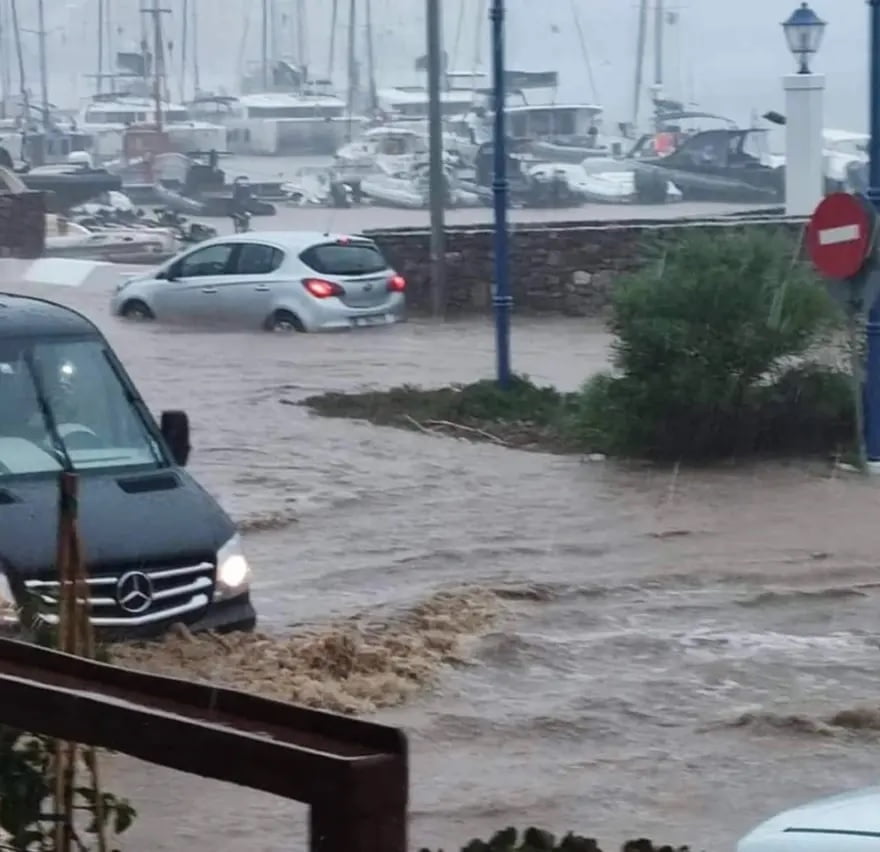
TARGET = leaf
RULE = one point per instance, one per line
(124, 817)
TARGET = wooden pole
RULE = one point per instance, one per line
(75, 636)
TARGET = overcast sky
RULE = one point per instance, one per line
(728, 55)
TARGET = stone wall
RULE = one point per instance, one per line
(564, 268)
(22, 224)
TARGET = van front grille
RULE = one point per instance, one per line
(130, 597)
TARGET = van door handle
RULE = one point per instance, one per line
(209, 289)
(262, 289)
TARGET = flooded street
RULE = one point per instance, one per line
(671, 644)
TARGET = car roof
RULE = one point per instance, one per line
(293, 241)
(24, 316)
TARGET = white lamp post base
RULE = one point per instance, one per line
(804, 118)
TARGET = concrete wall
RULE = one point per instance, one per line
(559, 268)
(22, 224)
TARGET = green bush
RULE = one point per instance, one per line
(712, 339)
(539, 840)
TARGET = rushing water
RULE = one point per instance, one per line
(671, 642)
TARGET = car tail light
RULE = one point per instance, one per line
(321, 289)
(396, 284)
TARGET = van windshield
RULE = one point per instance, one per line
(96, 421)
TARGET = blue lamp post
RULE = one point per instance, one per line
(502, 301)
(872, 371)
(803, 31)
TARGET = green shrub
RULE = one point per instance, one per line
(479, 403)
(706, 335)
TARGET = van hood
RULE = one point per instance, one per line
(857, 812)
(124, 519)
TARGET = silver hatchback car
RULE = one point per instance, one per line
(280, 281)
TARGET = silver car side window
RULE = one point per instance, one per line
(258, 259)
(212, 260)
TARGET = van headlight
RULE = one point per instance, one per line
(233, 571)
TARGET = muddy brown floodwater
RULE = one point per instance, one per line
(672, 648)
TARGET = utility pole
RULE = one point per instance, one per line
(502, 300)
(437, 179)
(44, 72)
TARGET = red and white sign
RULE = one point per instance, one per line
(840, 235)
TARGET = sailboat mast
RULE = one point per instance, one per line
(264, 48)
(302, 57)
(184, 38)
(640, 61)
(352, 62)
(44, 73)
(158, 61)
(659, 24)
(334, 19)
(109, 45)
(19, 53)
(195, 46)
(100, 80)
(5, 70)
(371, 61)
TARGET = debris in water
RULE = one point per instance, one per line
(856, 720)
(354, 666)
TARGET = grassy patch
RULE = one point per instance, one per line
(526, 415)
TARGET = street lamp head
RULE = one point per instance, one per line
(803, 32)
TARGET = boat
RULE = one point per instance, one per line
(269, 123)
(69, 185)
(728, 164)
(846, 160)
(388, 148)
(412, 189)
(402, 104)
(108, 117)
(113, 245)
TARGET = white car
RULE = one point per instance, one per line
(846, 823)
(279, 281)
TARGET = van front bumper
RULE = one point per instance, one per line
(225, 616)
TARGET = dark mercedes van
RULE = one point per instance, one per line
(158, 548)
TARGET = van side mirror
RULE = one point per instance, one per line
(175, 431)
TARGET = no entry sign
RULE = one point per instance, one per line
(840, 235)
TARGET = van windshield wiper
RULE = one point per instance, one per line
(58, 448)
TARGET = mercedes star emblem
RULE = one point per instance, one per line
(368, 287)
(134, 592)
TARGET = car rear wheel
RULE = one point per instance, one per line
(284, 321)
(137, 310)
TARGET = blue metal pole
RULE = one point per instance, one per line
(872, 371)
(502, 301)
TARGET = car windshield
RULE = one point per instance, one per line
(344, 259)
(96, 422)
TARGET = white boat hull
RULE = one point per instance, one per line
(122, 245)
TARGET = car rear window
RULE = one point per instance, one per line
(344, 259)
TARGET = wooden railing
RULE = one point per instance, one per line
(353, 774)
